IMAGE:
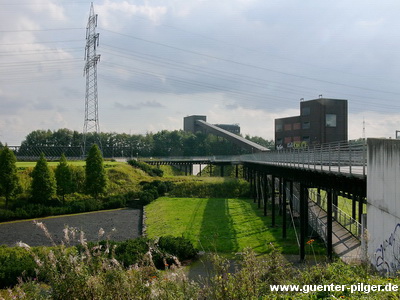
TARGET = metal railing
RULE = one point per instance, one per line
(352, 225)
(314, 220)
(319, 226)
(341, 157)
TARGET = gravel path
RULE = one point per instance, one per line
(120, 225)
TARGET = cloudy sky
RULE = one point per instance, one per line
(235, 61)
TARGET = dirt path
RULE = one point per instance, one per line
(125, 222)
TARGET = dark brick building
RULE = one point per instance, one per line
(321, 121)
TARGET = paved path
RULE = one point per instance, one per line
(345, 245)
(125, 222)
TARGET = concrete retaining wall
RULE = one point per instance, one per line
(383, 208)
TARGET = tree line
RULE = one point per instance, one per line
(46, 184)
(162, 143)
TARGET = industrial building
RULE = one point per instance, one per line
(190, 124)
(320, 121)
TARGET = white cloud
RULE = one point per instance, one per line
(115, 15)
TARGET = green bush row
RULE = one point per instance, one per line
(152, 171)
(227, 189)
(154, 189)
(75, 203)
(19, 262)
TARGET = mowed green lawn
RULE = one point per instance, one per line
(222, 225)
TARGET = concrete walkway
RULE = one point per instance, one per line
(346, 246)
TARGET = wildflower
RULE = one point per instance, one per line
(66, 234)
(23, 245)
(310, 242)
(82, 239)
(101, 232)
(44, 228)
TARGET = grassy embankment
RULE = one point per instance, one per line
(221, 225)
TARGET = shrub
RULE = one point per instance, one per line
(146, 197)
(152, 171)
(114, 201)
(178, 246)
(15, 262)
(227, 189)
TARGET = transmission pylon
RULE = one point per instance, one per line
(90, 71)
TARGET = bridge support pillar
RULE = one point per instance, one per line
(291, 196)
(303, 220)
(360, 208)
(237, 171)
(353, 206)
(280, 180)
(273, 201)
(335, 203)
(259, 189)
(222, 171)
(266, 191)
(284, 209)
(253, 185)
(329, 247)
(319, 196)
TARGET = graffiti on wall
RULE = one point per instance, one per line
(387, 256)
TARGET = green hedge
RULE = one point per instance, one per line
(152, 171)
(75, 203)
(227, 189)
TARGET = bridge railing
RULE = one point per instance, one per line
(341, 157)
(352, 225)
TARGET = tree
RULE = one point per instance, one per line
(43, 187)
(63, 177)
(9, 182)
(96, 179)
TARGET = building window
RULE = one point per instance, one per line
(305, 111)
(288, 127)
(296, 126)
(330, 120)
(306, 125)
(279, 141)
(278, 127)
(306, 138)
(296, 139)
(288, 139)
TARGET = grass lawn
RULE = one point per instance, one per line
(222, 225)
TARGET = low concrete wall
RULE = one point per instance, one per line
(383, 208)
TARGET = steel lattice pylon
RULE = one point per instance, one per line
(90, 71)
